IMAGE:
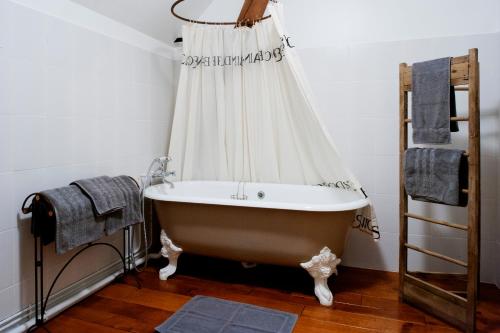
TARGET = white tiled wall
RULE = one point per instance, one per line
(323, 23)
(356, 88)
(73, 103)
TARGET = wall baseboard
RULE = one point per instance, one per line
(66, 297)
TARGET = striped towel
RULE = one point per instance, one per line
(131, 213)
(76, 223)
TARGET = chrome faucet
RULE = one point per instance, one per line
(238, 195)
(166, 173)
(163, 172)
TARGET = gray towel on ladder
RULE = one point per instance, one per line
(436, 175)
(104, 193)
(132, 212)
(433, 102)
(76, 223)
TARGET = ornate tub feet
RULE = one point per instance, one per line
(320, 267)
(170, 251)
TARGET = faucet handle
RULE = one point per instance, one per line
(171, 173)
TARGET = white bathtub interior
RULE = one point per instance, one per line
(278, 196)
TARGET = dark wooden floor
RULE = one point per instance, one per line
(365, 300)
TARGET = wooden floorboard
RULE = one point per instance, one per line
(64, 324)
(365, 300)
(102, 309)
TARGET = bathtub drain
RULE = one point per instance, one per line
(261, 195)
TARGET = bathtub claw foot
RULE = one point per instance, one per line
(170, 251)
(321, 267)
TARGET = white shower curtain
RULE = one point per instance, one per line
(244, 111)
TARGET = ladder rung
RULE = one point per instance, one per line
(436, 289)
(437, 255)
(408, 120)
(461, 88)
(428, 219)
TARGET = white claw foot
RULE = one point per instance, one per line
(321, 267)
(170, 251)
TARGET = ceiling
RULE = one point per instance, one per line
(151, 17)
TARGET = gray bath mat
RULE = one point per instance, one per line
(212, 315)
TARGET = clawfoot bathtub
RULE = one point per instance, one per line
(262, 223)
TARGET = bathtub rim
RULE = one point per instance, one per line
(335, 207)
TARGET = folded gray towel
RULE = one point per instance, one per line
(433, 102)
(131, 213)
(209, 314)
(76, 223)
(436, 175)
(103, 191)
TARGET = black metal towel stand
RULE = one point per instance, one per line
(40, 301)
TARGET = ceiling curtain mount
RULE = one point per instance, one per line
(251, 13)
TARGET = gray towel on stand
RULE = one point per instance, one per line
(132, 212)
(76, 223)
(105, 195)
(436, 175)
(433, 102)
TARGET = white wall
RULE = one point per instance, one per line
(151, 17)
(351, 51)
(318, 23)
(368, 98)
(80, 96)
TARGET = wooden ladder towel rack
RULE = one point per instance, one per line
(456, 308)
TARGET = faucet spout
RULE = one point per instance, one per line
(169, 183)
(167, 174)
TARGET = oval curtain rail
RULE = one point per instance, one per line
(237, 23)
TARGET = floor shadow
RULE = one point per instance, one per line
(282, 278)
